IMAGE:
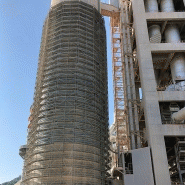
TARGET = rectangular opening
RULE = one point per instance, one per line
(179, 5)
(128, 163)
(167, 109)
(175, 149)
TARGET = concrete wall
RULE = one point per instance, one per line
(167, 96)
(150, 95)
(142, 168)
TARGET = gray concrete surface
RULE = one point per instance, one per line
(150, 95)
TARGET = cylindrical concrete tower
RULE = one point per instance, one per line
(68, 131)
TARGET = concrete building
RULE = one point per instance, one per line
(67, 139)
(151, 35)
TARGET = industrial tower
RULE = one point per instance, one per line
(67, 139)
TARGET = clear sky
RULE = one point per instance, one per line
(20, 34)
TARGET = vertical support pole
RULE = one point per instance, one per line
(127, 54)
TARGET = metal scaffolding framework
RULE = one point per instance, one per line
(118, 83)
(68, 131)
(125, 100)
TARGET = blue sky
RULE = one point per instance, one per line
(20, 34)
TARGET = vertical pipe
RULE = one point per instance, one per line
(138, 143)
(167, 6)
(151, 6)
(131, 91)
(178, 67)
(156, 72)
(123, 165)
(172, 35)
(154, 30)
(128, 88)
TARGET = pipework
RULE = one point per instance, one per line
(154, 31)
(178, 67)
(172, 35)
(167, 6)
(179, 116)
(151, 6)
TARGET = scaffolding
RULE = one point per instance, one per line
(118, 83)
(68, 131)
(125, 100)
(128, 57)
(124, 63)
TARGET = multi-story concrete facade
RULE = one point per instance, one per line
(159, 31)
(150, 36)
